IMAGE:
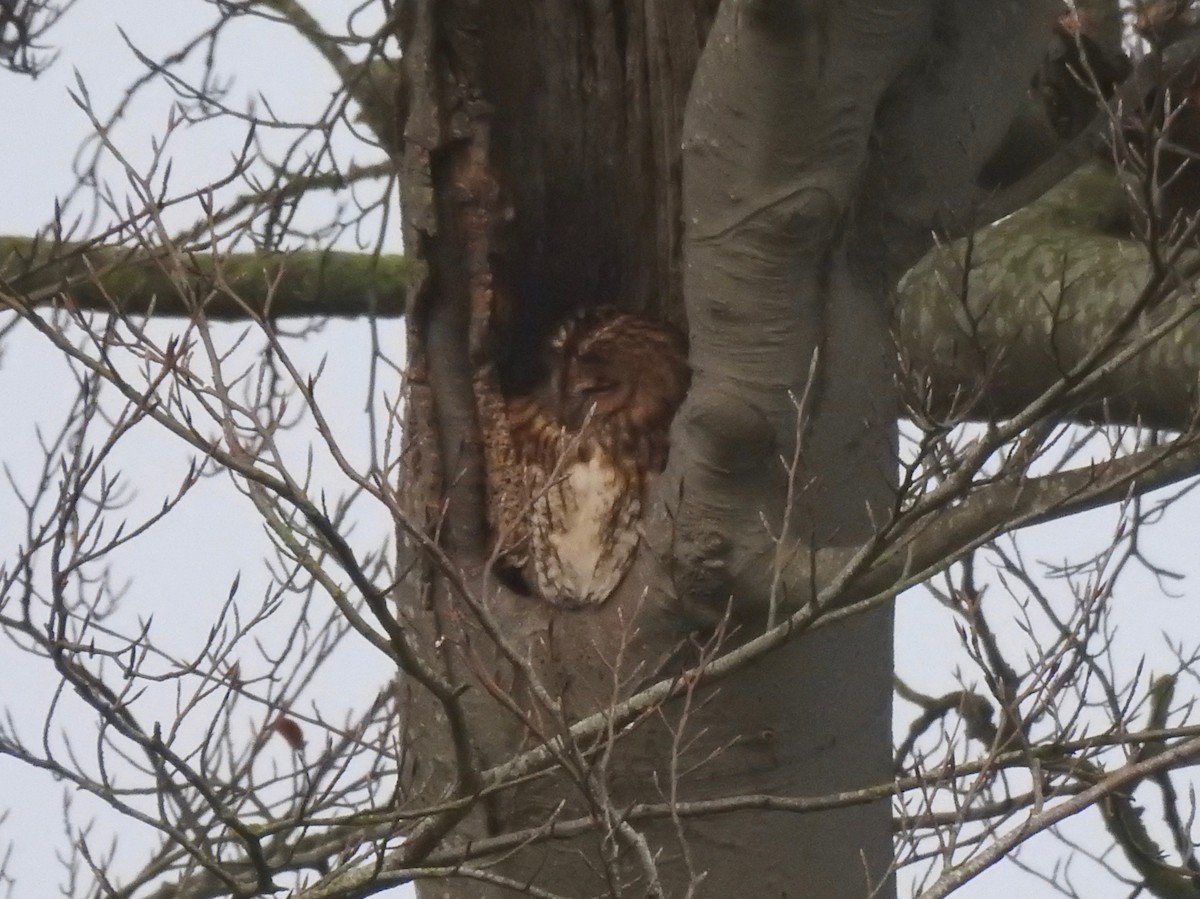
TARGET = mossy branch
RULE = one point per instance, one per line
(233, 286)
(1001, 316)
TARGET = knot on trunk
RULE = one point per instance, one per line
(703, 576)
(730, 435)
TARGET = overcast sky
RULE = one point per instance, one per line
(215, 537)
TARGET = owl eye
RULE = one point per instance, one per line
(597, 386)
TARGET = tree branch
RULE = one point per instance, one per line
(1004, 316)
(809, 583)
(1151, 73)
(272, 285)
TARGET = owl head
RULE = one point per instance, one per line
(614, 367)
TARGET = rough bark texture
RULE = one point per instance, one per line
(541, 162)
(825, 141)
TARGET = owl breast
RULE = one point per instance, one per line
(584, 530)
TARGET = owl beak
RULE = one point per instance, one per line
(577, 409)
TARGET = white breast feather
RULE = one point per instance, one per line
(588, 494)
(591, 532)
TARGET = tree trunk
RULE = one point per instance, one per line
(543, 172)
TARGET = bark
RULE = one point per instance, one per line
(540, 174)
(811, 180)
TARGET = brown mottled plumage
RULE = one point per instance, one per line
(582, 447)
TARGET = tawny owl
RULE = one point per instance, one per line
(584, 443)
